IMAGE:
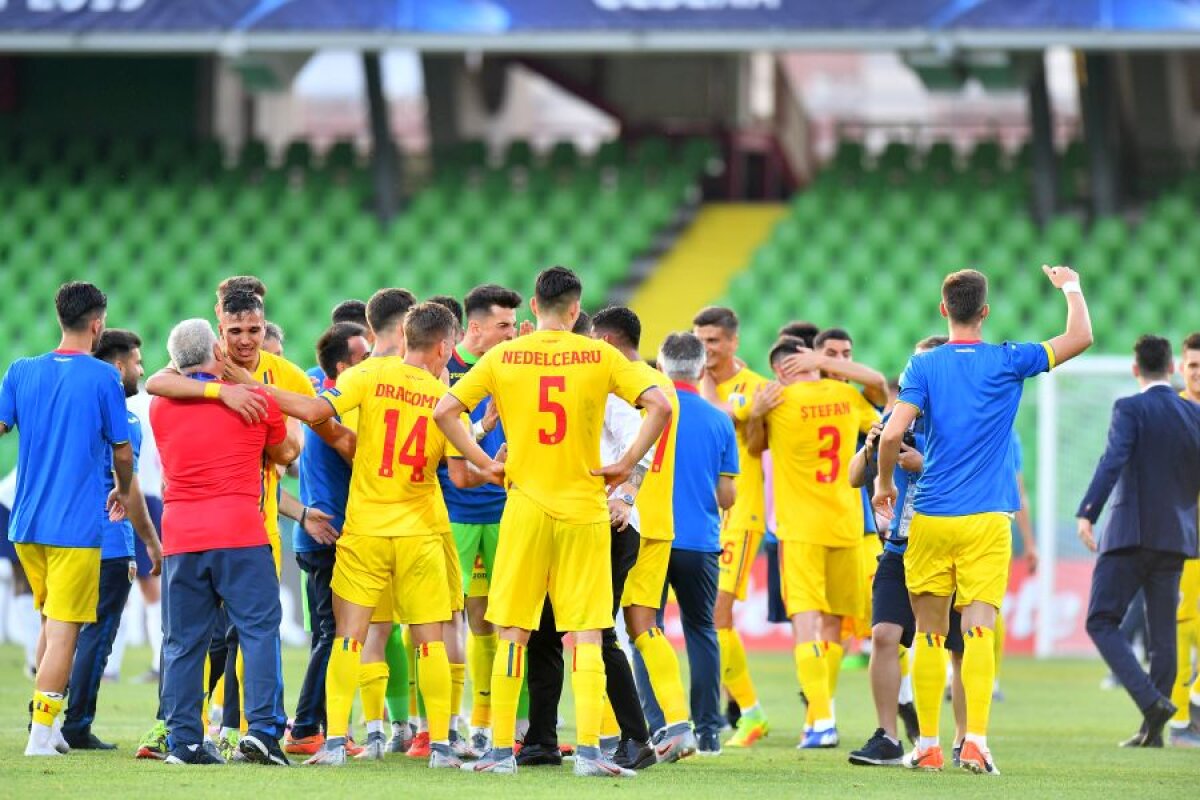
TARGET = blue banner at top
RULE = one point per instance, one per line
(592, 16)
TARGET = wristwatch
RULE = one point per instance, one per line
(626, 498)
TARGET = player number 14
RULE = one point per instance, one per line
(412, 452)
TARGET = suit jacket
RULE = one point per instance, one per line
(1152, 467)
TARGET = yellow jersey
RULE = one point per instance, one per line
(812, 436)
(274, 370)
(550, 388)
(749, 509)
(654, 499)
(394, 489)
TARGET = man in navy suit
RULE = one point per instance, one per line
(1153, 461)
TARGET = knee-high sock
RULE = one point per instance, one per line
(906, 694)
(508, 671)
(396, 694)
(813, 675)
(372, 686)
(587, 681)
(341, 679)
(481, 652)
(833, 667)
(998, 642)
(458, 676)
(154, 634)
(608, 720)
(929, 678)
(978, 676)
(433, 675)
(735, 671)
(662, 665)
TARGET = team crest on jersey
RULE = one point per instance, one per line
(332, 392)
(737, 400)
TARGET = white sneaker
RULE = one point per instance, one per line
(506, 765)
(374, 748)
(41, 742)
(600, 768)
(60, 742)
(481, 742)
(678, 742)
(440, 758)
(331, 754)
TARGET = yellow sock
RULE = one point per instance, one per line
(587, 681)
(481, 652)
(372, 687)
(47, 706)
(813, 674)
(204, 703)
(240, 671)
(1195, 696)
(608, 720)
(998, 642)
(735, 669)
(433, 677)
(978, 677)
(413, 698)
(833, 665)
(341, 679)
(1185, 639)
(508, 668)
(929, 679)
(663, 667)
(458, 676)
(904, 666)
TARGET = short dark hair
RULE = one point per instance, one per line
(387, 308)
(622, 321)
(965, 294)
(334, 345)
(1153, 355)
(1192, 342)
(786, 346)
(426, 324)
(583, 324)
(482, 298)
(350, 311)
(241, 302)
(930, 342)
(451, 304)
(801, 329)
(241, 283)
(719, 316)
(840, 334)
(274, 331)
(556, 288)
(77, 304)
(115, 343)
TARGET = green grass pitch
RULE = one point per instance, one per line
(1054, 736)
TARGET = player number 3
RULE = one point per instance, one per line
(830, 453)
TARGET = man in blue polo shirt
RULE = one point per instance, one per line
(960, 540)
(706, 462)
(122, 349)
(70, 410)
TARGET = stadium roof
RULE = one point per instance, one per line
(234, 26)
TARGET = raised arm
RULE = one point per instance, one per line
(889, 453)
(447, 416)
(313, 410)
(1078, 335)
(857, 469)
(168, 382)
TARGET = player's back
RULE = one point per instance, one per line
(811, 436)
(655, 500)
(748, 512)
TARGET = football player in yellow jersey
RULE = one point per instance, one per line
(392, 539)
(811, 434)
(551, 388)
(1185, 727)
(731, 385)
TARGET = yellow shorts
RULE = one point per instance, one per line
(1189, 591)
(453, 571)
(385, 609)
(968, 554)
(645, 582)
(820, 578)
(738, 551)
(479, 579)
(412, 569)
(539, 555)
(65, 580)
(860, 627)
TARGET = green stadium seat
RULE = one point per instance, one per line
(253, 156)
(298, 155)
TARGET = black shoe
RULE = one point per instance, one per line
(539, 755)
(262, 749)
(879, 751)
(632, 754)
(907, 713)
(733, 712)
(191, 755)
(708, 744)
(1154, 719)
(87, 741)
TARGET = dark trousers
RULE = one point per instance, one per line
(243, 579)
(94, 647)
(544, 656)
(310, 708)
(1118, 576)
(693, 576)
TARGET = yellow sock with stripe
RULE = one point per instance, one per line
(813, 675)
(663, 667)
(341, 679)
(978, 676)
(608, 721)
(998, 642)
(1185, 633)
(587, 681)
(372, 687)
(433, 679)
(904, 665)
(481, 652)
(507, 670)
(46, 707)
(929, 680)
(458, 677)
(735, 670)
(834, 652)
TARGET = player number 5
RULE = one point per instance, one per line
(548, 406)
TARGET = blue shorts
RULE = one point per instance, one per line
(890, 603)
(6, 547)
(776, 610)
(155, 506)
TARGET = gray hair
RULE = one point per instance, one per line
(274, 332)
(681, 356)
(191, 343)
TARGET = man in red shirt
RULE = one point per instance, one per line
(216, 550)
